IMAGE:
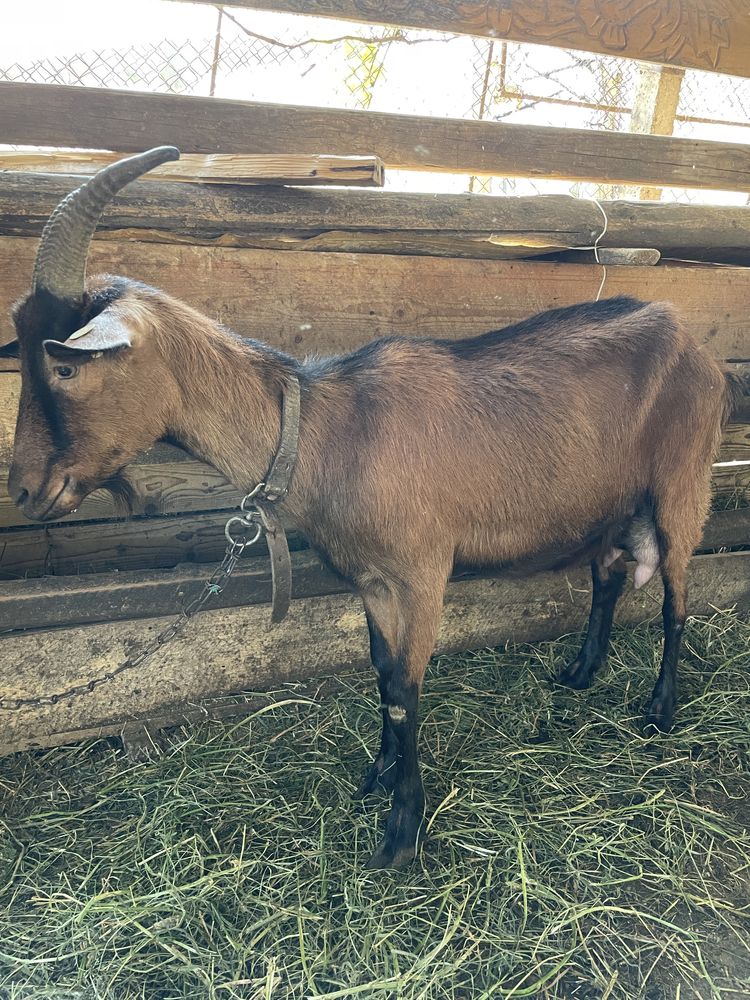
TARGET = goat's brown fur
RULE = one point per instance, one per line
(529, 448)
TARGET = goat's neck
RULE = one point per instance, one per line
(229, 405)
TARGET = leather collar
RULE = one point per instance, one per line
(275, 487)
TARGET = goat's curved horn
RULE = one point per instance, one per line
(60, 265)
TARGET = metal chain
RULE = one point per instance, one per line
(249, 520)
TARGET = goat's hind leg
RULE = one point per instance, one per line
(679, 526)
(607, 583)
(681, 506)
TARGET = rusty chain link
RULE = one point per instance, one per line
(211, 588)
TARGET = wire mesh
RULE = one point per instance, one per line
(292, 59)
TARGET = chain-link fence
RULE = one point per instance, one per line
(300, 60)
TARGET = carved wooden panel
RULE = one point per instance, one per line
(701, 34)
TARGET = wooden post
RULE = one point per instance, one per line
(655, 106)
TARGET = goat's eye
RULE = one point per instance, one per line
(65, 371)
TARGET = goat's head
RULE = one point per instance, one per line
(83, 413)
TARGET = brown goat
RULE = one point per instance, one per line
(578, 435)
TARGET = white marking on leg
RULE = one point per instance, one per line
(396, 713)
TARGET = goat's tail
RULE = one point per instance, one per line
(737, 395)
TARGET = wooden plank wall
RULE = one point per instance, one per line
(712, 35)
(321, 302)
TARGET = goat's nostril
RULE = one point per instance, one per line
(22, 497)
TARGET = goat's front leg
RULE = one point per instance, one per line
(403, 623)
(381, 776)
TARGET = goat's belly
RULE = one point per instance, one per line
(507, 552)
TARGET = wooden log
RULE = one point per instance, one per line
(80, 117)
(714, 37)
(733, 479)
(615, 257)
(384, 221)
(726, 529)
(194, 486)
(236, 649)
(82, 547)
(118, 596)
(229, 168)
(63, 548)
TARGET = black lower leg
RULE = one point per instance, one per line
(381, 775)
(607, 587)
(664, 697)
(404, 827)
(404, 620)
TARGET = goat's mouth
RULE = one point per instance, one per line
(55, 503)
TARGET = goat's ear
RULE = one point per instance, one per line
(10, 350)
(105, 332)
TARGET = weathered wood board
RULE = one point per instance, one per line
(712, 35)
(102, 597)
(159, 543)
(81, 117)
(65, 547)
(221, 168)
(387, 221)
(655, 104)
(234, 650)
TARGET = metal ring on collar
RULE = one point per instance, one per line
(243, 543)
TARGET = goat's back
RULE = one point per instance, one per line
(522, 440)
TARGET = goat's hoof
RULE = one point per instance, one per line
(404, 833)
(577, 675)
(384, 858)
(660, 716)
(379, 779)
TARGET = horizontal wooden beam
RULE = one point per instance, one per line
(229, 168)
(732, 478)
(716, 37)
(113, 596)
(235, 649)
(117, 596)
(80, 117)
(390, 221)
(736, 443)
(139, 543)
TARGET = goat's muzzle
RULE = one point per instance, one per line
(55, 496)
